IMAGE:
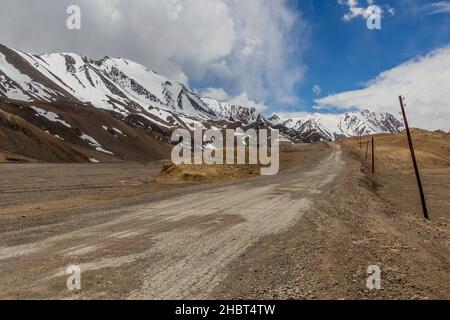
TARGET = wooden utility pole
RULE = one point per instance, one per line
(413, 156)
(367, 153)
(373, 155)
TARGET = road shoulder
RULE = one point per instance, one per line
(327, 253)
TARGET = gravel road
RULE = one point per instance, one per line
(308, 233)
(177, 247)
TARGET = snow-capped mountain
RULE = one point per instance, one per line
(86, 102)
(329, 127)
(118, 85)
(232, 112)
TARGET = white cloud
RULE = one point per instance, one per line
(438, 7)
(265, 60)
(241, 46)
(424, 81)
(243, 100)
(356, 9)
(317, 90)
(215, 93)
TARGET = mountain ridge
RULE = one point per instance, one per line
(145, 101)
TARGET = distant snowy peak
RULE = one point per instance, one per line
(231, 112)
(366, 122)
(328, 127)
(276, 120)
(315, 126)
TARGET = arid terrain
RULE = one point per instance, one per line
(309, 232)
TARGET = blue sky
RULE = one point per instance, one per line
(340, 55)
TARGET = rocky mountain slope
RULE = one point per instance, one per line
(329, 127)
(117, 109)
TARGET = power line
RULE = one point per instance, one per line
(436, 77)
(431, 72)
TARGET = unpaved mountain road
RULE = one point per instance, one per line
(300, 234)
(172, 248)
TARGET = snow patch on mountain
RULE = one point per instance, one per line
(94, 143)
(51, 116)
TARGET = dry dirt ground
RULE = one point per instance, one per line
(308, 233)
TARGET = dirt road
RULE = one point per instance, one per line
(309, 232)
(172, 248)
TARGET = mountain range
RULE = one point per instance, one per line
(67, 107)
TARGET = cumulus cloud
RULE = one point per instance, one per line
(438, 7)
(160, 34)
(240, 46)
(265, 59)
(424, 81)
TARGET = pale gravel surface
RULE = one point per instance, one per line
(309, 232)
(177, 247)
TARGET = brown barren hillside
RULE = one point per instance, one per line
(432, 150)
(70, 132)
(19, 137)
(395, 180)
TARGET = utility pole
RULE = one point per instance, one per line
(373, 155)
(367, 153)
(413, 156)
